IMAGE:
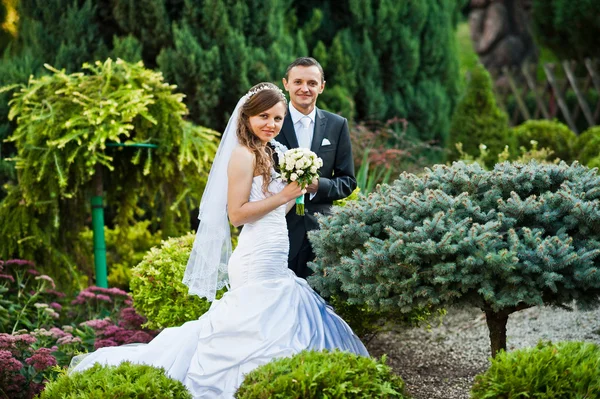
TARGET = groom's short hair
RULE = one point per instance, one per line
(305, 62)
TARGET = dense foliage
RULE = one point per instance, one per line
(157, 287)
(587, 147)
(566, 370)
(548, 134)
(381, 58)
(65, 126)
(125, 381)
(478, 119)
(569, 28)
(311, 374)
(518, 236)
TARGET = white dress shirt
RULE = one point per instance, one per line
(304, 126)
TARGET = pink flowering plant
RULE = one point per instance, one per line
(24, 367)
(41, 331)
(23, 293)
(98, 303)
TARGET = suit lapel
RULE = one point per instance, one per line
(319, 133)
(288, 132)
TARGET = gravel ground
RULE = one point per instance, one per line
(442, 363)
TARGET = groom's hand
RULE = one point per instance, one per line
(313, 187)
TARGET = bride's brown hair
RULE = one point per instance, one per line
(263, 96)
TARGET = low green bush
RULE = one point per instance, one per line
(587, 147)
(548, 371)
(311, 374)
(548, 134)
(125, 381)
(157, 288)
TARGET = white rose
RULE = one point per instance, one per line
(299, 164)
(313, 169)
(293, 177)
(289, 166)
(300, 172)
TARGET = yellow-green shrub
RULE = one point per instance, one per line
(157, 288)
(548, 134)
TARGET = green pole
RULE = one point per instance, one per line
(98, 230)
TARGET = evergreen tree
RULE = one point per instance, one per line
(395, 59)
(518, 236)
(478, 119)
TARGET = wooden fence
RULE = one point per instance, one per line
(568, 91)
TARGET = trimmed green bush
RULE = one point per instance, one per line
(125, 381)
(311, 374)
(478, 120)
(157, 288)
(548, 134)
(563, 370)
(587, 147)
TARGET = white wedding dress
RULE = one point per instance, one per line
(268, 313)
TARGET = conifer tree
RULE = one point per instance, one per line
(478, 119)
(518, 236)
(395, 59)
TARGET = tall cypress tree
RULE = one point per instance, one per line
(403, 58)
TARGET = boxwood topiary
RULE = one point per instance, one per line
(125, 381)
(548, 134)
(311, 374)
(563, 370)
(157, 288)
(587, 147)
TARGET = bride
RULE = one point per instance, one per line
(267, 312)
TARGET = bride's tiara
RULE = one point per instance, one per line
(265, 87)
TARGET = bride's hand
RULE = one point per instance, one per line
(292, 191)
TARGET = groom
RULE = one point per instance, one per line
(327, 135)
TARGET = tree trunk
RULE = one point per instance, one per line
(500, 32)
(496, 322)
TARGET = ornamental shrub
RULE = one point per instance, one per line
(157, 288)
(311, 374)
(478, 119)
(548, 134)
(587, 147)
(564, 370)
(69, 137)
(125, 381)
(518, 236)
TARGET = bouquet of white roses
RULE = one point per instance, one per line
(300, 165)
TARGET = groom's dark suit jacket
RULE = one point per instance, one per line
(336, 176)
